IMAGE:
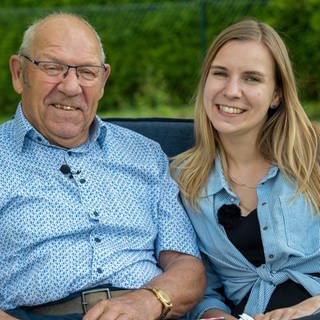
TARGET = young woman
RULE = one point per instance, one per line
(251, 183)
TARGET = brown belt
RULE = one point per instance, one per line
(79, 304)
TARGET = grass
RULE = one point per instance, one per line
(312, 109)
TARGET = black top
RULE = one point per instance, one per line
(244, 233)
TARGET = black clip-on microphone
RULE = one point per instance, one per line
(65, 169)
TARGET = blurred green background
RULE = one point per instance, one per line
(155, 48)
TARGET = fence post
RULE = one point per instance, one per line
(202, 28)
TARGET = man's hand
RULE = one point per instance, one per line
(137, 305)
(5, 316)
(183, 280)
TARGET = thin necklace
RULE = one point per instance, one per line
(245, 210)
(240, 184)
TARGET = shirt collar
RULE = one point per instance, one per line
(217, 180)
(23, 128)
(99, 131)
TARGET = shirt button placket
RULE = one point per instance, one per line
(96, 241)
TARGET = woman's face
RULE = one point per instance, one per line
(240, 88)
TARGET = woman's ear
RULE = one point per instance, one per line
(277, 98)
(16, 73)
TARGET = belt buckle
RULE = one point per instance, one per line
(84, 302)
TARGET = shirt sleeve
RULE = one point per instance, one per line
(175, 231)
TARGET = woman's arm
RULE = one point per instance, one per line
(304, 308)
(217, 313)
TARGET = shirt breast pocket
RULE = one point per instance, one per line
(301, 225)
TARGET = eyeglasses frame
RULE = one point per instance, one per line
(65, 74)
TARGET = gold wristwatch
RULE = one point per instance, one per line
(163, 298)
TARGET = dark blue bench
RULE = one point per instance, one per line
(174, 135)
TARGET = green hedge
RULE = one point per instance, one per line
(155, 48)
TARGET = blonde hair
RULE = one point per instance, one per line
(288, 138)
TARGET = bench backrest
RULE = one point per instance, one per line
(174, 135)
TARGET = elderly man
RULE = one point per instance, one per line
(88, 209)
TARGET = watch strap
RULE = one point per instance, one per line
(163, 298)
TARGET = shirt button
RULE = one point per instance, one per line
(96, 214)
(263, 203)
(271, 256)
(97, 239)
(39, 139)
(265, 228)
(99, 270)
(232, 199)
(82, 180)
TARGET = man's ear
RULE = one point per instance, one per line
(105, 78)
(16, 73)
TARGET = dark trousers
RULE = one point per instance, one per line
(26, 315)
(312, 317)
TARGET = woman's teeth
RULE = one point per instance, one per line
(232, 110)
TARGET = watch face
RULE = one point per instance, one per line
(164, 297)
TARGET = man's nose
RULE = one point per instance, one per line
(70, 84)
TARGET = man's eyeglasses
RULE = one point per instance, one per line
(87, 74)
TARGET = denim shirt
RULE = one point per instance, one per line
(290, 232)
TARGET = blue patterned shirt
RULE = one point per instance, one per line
(105, 223)
(290, 233)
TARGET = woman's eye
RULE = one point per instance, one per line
(252, 78)
(219, 74)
